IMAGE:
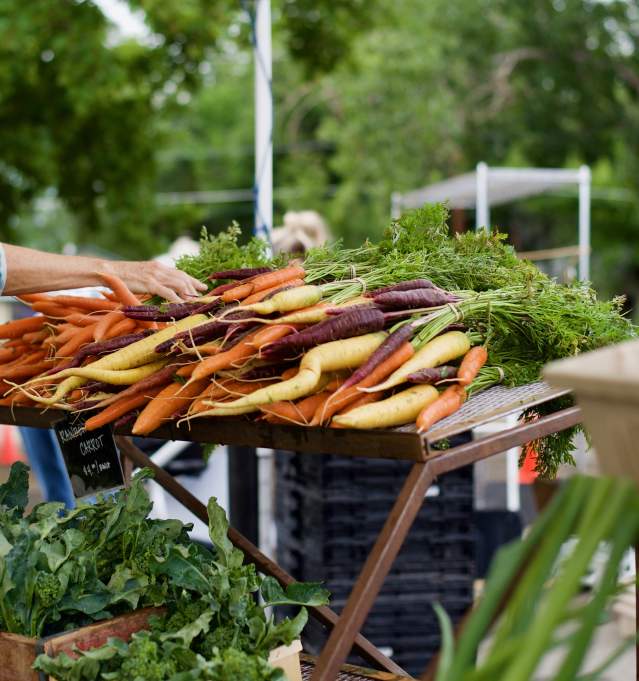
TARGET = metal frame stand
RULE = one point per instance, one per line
(382, 444)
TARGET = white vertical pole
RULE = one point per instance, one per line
(482, 210)
(263, 121)
(584, 223)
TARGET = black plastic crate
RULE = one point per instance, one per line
(329, 512)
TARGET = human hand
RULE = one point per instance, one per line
(154, 277)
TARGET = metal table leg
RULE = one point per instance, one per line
(323, 614)
(374, 572)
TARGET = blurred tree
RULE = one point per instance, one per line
(81, 108)
(432, 88)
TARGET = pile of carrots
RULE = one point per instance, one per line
(261, 343)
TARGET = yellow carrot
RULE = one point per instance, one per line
(288, 300)
(137, 354)
(401, 408)
(343, 354)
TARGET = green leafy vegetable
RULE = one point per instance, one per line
(224, 252)
(215, 627)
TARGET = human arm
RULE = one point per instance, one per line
(31, 271)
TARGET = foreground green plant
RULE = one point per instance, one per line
(543, 586)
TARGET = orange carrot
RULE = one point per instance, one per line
(65, 333)
(473, 361)
(289, 373)
(260, 295)
(18, 327)
(277, 278)
(365, 398)
(108, 320)
(269, 334)
(7, 354)
(237, 293)
(187, 370)
(165, 404)
(27, 370)
(15, 343)
(219, 391)
(88, 304)
(120, 408)
(84, 319)
(264, 281)
(295, 413)
(119, 288)
(123, 295)
(35, 337)
(122, 328)
(227, 359)
(52, 310)
(446, 404)
(209, 348)
(342, 399)
(84, 335)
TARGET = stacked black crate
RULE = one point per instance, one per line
(329, 511)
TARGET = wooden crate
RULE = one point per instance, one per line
(18, 653)
(606, 386)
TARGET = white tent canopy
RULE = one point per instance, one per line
(488, 186)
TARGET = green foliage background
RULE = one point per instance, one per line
(371, 97)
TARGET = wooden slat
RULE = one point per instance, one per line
(96, 635)
(241, 431)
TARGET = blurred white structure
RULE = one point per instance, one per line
(491, 186)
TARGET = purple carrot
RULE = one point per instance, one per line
(159, 378)
(347, 325)
(263, 372)
(335, 311)
(100, 348)
(175, 311)
(241, 273)
(432, 376)
(205, 332)
(100, 387)
(402, 286)
(126, 419)
(383, 352)
(414, 298)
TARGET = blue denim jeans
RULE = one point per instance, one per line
(47, 464)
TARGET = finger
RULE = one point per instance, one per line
(166, 293)
(193, 283)
(199, 286)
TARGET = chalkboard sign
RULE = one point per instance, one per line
(91, 457)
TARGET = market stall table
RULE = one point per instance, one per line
(400, 443)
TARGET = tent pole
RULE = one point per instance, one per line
(482, 210)
(584, 223)
(263, 121)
